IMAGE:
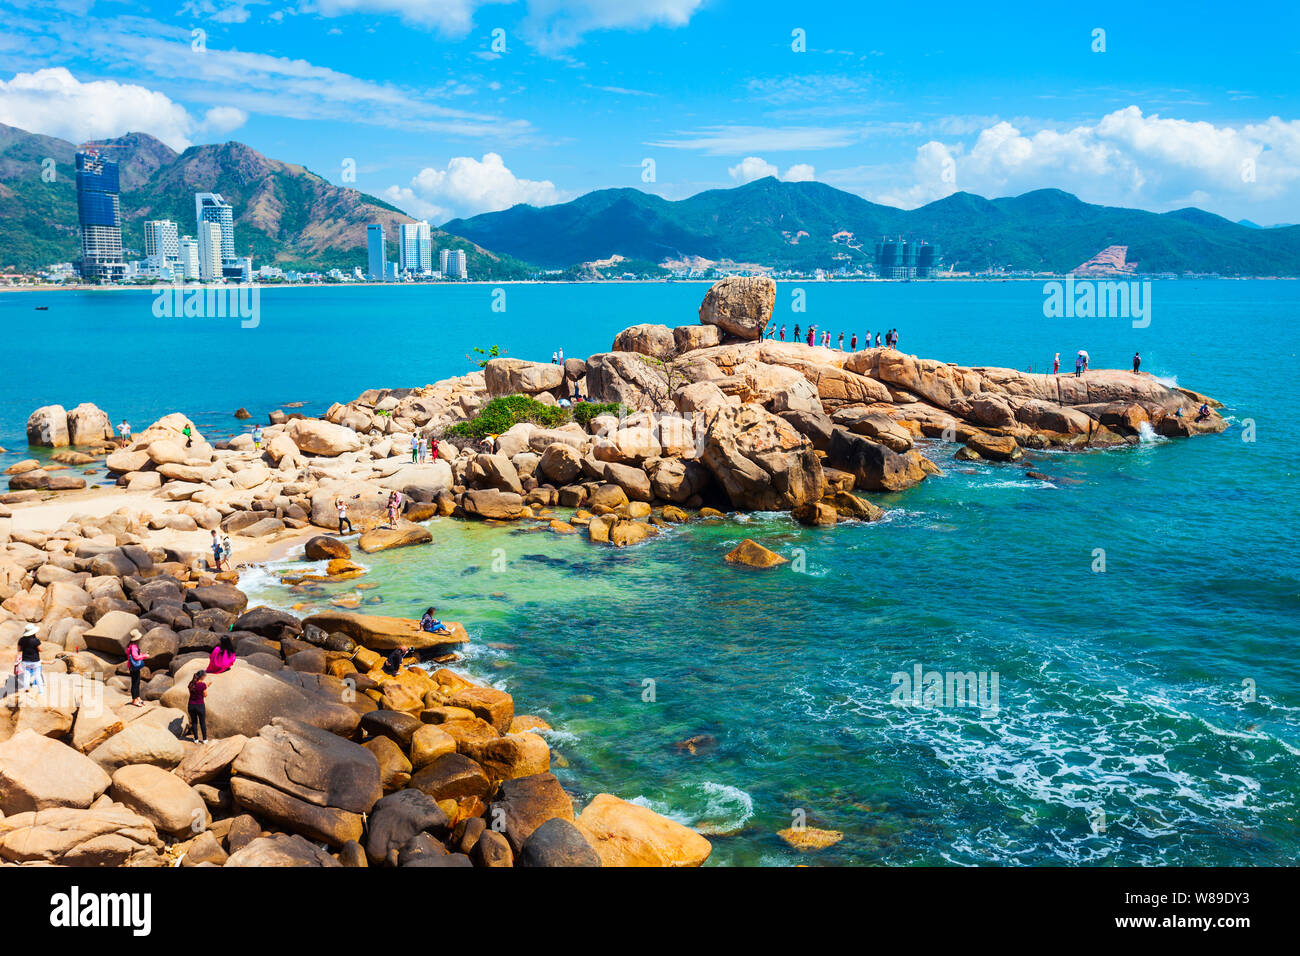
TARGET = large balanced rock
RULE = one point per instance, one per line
(88, 425)
(47, 427)
(307, 780)
(37, 772)
(760, 460)
(627, 834)
(507, 376)
(245, 698)
(739, 305)
(635, 380)
(67, 836)
(317, 437)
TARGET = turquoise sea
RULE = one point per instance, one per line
(1146, 714)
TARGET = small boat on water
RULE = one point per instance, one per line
(42, 308)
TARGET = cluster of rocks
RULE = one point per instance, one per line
(316, 756)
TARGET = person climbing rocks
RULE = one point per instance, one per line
(135, 664)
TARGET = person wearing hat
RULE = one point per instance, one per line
(28, 666)
(135, 664)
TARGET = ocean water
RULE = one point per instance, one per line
(1146, 714)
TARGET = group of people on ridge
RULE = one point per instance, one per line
(890, 340)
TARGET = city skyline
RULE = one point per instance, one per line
(540, 103)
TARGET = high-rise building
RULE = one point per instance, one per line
(161, 241)
(188, 254)
(210, 239)
(415, 248)
(210, 207)
(378, 255)
(100, 217)
(452, 263)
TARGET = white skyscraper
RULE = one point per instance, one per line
(210, 240)
(188, 253)
(161, 241)
(415, 248)
(210, 207)
(452, 264)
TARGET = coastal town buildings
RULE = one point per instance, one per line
(161, 241)
(210, 207)
(415, 248)
(377, 253)
(209, 251)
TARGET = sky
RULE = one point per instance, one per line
(451, 108)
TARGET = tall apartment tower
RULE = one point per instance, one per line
(100, 217)
(188, 257)
(377, 255)
(452, 264)
(210, 207)
(210, 240)
(161, 241)
(415, 248)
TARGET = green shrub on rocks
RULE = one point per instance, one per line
(499, 414)
(584, 412)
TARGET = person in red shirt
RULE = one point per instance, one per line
(198, 707)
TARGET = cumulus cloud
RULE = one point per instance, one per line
(1125, 158)
(754, 167)
(469, 186)
(55, 103)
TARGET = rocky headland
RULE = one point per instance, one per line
(319, 757)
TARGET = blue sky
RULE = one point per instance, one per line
(903, 105)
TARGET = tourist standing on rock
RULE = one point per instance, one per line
(216, 551)
(222, 657)
(1056, 364)
(841, 341)
(853, 342)
(28, 666)
(343, 514)
(1137, 362)
(1078, 364)
(560, 356)
(198, 708)
(782, 331)
(226, 551)
(433, 442)
(135, 664)
(257, 437)
(124, 433)
(415, 449)
(394, 506)
(877, 340)
(796, 333)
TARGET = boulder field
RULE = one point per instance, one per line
(710, 415)
(316, 755)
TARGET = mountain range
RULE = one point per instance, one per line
(284, 214)
(808, 225)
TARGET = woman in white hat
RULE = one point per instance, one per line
(135, 664)
(28, 666)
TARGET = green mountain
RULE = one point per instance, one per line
(284, 214)
(809, 225)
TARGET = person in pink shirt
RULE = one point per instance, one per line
(135, 664)
(222, 657)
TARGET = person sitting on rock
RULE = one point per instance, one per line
(188, 433)
(393, 663)
(222, 657)
(432, 625)
(1203, 412)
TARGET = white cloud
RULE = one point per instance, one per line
(800, 173)
(55, 103)
(1125, 158)
(738, 140)
(469, 186)
(551, 26)
(751, 168)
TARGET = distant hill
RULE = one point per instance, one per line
(808, 225)
(284, 214)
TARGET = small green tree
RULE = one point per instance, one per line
(489, 354)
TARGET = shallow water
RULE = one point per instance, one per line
(1122, 735)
